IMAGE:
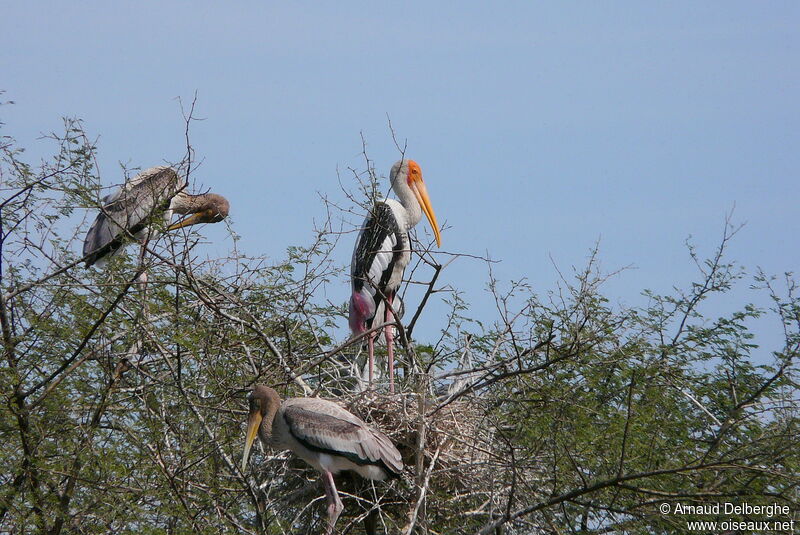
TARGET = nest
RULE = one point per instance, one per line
(458, 437)
(456, 462)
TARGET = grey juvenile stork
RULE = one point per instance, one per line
(382, 252)
(324, 435)
(130, 210)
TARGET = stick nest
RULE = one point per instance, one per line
(459, 436)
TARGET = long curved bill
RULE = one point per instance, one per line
(421, 192)
(191, 220)
(252, 430)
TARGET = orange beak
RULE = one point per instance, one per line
(421, 192)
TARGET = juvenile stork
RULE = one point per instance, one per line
(131, 208)
(382, 252)
(324, 435)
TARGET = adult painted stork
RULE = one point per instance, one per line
(130, 210)
(324, 435)
(382, 252)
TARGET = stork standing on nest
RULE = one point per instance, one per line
(382, 252)
(324, 435)
(130, 210)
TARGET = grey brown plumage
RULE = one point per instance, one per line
(133, 207)
(325, 427)
(128, 211)
(324, 435)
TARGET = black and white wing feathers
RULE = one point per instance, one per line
(379, 247)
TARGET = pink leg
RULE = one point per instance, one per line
(371, 353)
(389, 335)
(335, 505)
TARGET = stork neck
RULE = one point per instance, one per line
(185, 203)
(409, 202)
(265, 430)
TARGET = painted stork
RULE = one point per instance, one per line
(130, 209)
(382, 252)
(324, 435)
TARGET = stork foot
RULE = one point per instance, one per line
(335, 505)
(334, 510)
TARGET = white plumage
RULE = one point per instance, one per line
(382, 252)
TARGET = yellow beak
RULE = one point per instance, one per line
(191, 220)
(253, 422)
(421, 192)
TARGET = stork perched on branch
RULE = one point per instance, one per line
(382, 252)
(130, 210)
(324, 435)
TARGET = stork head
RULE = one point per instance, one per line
(264, 402)
(207, 208)
(407, 173)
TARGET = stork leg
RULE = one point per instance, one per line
(335, 505)
(371, 357)
(142, 278)
(389, 335)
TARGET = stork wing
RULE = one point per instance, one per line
(324, 426)
(375, 252)
(379, 247)
(128, 210)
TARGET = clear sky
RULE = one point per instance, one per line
(540, 127)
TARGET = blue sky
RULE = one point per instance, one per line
(541, 128)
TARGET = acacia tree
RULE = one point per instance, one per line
(123, 402)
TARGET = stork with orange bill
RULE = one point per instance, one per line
(382, 252)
